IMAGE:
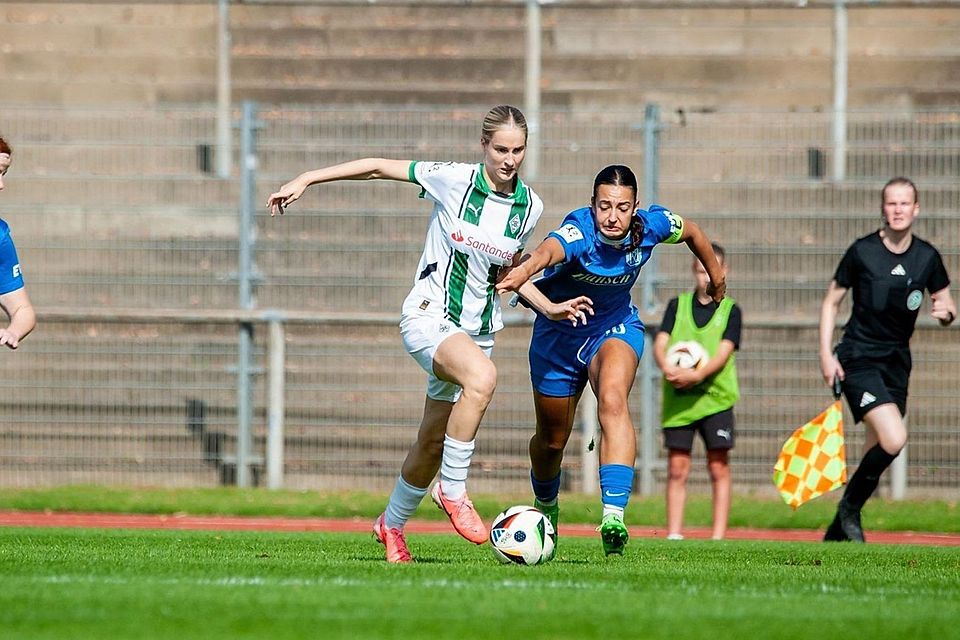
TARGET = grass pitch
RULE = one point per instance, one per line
(91, 583)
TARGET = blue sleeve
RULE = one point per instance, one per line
(10, 277)
(572, 236)
(665, 226)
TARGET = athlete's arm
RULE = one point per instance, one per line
(364, 169)
(700, 246)
(575, 310)
(829, 366)
(547, 254)
(943, 309)
(23, 318)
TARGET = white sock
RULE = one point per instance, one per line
(454, 467)
(608, 509)
(403, 502)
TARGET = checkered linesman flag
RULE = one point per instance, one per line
(813, 460)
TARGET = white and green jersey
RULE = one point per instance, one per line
(473, 232)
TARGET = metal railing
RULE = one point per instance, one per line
(116, 209)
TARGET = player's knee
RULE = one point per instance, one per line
(678, 468)
(678, 473)
(554, 443)
(894, 443)
(719, 470)
(612, 404)
(482, 384)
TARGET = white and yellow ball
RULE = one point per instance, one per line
(687, 354)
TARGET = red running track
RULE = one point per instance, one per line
(355, 525)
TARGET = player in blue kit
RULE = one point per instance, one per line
(13, 295)
(597, 252)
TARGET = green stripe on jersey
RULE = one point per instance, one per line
(456, 284)
(412, 175)
(486, 318)
(474, 207)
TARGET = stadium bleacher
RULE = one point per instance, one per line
(108, 109)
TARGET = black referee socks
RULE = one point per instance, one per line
(864, 482)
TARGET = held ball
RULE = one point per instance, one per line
(687, 354)
(522, 535)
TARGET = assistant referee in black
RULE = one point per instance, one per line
(888, 272)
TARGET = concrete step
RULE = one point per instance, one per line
(166, 54)
(110, 190)
(112, 159)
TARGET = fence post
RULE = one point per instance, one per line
(898, 473)
(224, 144)
(248, 165)
(648, 369)
(840, 91)
(590, 453)
(531, 91)
(276, 405)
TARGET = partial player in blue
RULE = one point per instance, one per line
(597, 252)
(13, 295)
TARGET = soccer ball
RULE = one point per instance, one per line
(687, 354)
(522, 535)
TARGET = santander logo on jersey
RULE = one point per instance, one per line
(484, 247)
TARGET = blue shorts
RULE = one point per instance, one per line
(559, 361)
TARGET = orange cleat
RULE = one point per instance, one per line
(463, 516)
(393, 540)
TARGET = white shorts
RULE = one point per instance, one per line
(422, 335)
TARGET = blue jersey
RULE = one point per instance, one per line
(10, 277)
(602, 272)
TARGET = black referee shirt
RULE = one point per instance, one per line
(887, 290)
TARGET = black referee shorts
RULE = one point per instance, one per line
(871, 382)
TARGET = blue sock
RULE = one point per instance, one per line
(616, 482)
(546, 491)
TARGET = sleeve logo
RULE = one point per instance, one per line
(437, 166)
(16, 270)
(570, 233)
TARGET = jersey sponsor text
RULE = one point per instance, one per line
(591, 278)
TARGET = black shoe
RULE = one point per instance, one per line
(850, 522)
(835, 531)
